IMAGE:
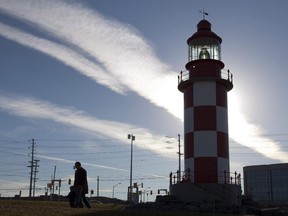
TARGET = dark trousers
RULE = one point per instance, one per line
(78, 196)
(85, 201)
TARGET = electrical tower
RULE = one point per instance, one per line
(33, 169)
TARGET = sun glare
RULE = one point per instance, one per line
(247, 134)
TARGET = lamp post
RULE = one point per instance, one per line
(113, 189)
(144, 193)
(132, 137)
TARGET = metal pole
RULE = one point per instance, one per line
(132, 137)
(144, 192)
(179, 153)
(131, 162)
(34, 178)
(59, 185)
(31, 167)
(113, 189)
(97, 186)
(54, 179)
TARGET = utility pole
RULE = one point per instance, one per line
(53, 185)
(179, 153)
(35, 172)
(130, 191)
(31, 166)
(97, 186)
(33, 169)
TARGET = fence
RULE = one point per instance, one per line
(189, 176)
(224, 74)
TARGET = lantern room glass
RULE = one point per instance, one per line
(204, 48)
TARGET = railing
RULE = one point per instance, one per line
(225, 75)
(188, 177)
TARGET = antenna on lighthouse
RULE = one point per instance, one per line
(204, 13)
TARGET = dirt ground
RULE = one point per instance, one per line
(47, 208)
(55, 208)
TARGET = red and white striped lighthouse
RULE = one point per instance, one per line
(205, 86)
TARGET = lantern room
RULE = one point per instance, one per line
(204, 48)
(204, 44)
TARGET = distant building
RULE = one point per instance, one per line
(267, 183)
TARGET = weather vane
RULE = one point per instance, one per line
(204, 13)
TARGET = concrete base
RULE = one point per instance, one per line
(207, 193)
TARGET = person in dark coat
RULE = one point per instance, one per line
(71, 196)
(81, 186)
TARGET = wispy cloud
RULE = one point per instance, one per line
(99, 166)
(108, 51)
(119, 49)
(250, 135)
(89, 164)
(31, 108)
(63, 54)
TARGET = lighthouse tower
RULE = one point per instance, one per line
(205, 86)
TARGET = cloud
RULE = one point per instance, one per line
(31, 108)
(70, 161)
(115, 55)
(101, 166)
(250, 135)
(14, 187)
(117, 48)
(63, 54)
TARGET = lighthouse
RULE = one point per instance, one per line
(205, 84)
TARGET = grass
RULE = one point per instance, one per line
(49, 208)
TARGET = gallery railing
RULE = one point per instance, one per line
(189, 176)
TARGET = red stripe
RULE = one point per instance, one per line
(205, 170)
(188, 97)
(222, 145)
(221, 95)
(189, 145)
(205, 118)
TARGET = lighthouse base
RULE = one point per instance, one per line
(207, 193)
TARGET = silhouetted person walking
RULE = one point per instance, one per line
(80, 186)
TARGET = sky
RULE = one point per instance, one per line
(79, 76)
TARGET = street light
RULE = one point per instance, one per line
(144, 192)
(113, 189)
(132, 137)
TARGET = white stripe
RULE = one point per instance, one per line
(205, 144)
(204, 93)
(189, 120)
(222, 119)
(223, 165)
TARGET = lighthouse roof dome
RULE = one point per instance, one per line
(204, 30)
(204, 25)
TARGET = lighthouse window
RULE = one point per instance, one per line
(204, 54)
(204, 48)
